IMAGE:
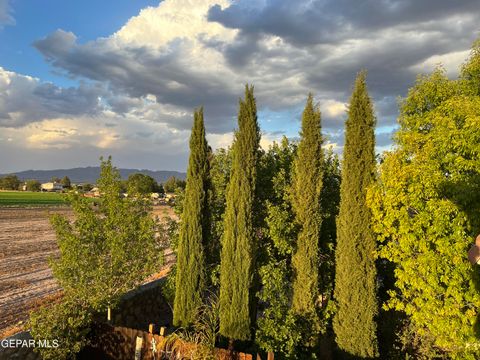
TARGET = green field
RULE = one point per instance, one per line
(26, 198)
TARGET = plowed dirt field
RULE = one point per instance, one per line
(27, 240)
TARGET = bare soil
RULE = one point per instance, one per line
(27, 240)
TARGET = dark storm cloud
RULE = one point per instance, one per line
(328, 22)
(24, 100)
(83, 100)
(285, 48)
(394, 36)
(140, 71)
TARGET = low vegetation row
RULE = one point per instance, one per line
(33, 193)
(29, 198)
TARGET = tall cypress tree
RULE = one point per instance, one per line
(355, 284)
(307, 186)
(238, 244)
(191, 260)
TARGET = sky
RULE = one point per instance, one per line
(82, 79)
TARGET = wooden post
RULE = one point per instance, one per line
(151, 328)
(109, 314)
(162, 331)
(258, 357)
(138, 348)
(270, 355)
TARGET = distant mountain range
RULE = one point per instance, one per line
(90, 174)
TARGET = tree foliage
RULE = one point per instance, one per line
(107, 251)
(141, 184)
(306, 189)
(279, 329)
(33, 185)
(66, 182)
(173, 183)
(238, 244)
(104, 253)
(66, 325)
(221, 164)
(194, 229)
(355, 277)
(10, 182)
(426, 208)
(277, 324)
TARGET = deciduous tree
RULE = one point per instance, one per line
(426, 208)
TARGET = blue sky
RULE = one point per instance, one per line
(83, 79)
(88, 19)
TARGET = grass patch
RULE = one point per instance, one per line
(27, 198)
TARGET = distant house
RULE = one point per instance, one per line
(170, 196)
(52, 186)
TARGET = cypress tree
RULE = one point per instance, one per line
(238, 244)
(355, 277)
(307, 186)
(190, 273)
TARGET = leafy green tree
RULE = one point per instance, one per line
(141, 184)
(173, 183)
(87, 187)
(306, 189)
(221, 164)
(33, 185)
(330, 201)
(65, 324)
(159, 188)
(10, 182)
(277, 328)
(238, 243)
(425, 209)
(355, 276)
(66, 182)
(194, 238)
(105, 252)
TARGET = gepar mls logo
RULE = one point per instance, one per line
(28, 343)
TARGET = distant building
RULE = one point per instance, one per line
(52, 186)
(170, 196)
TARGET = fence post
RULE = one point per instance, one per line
(138, 348)
(270, 355)
(162, 331)
(151, 328)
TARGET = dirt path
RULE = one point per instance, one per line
(27, 240)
